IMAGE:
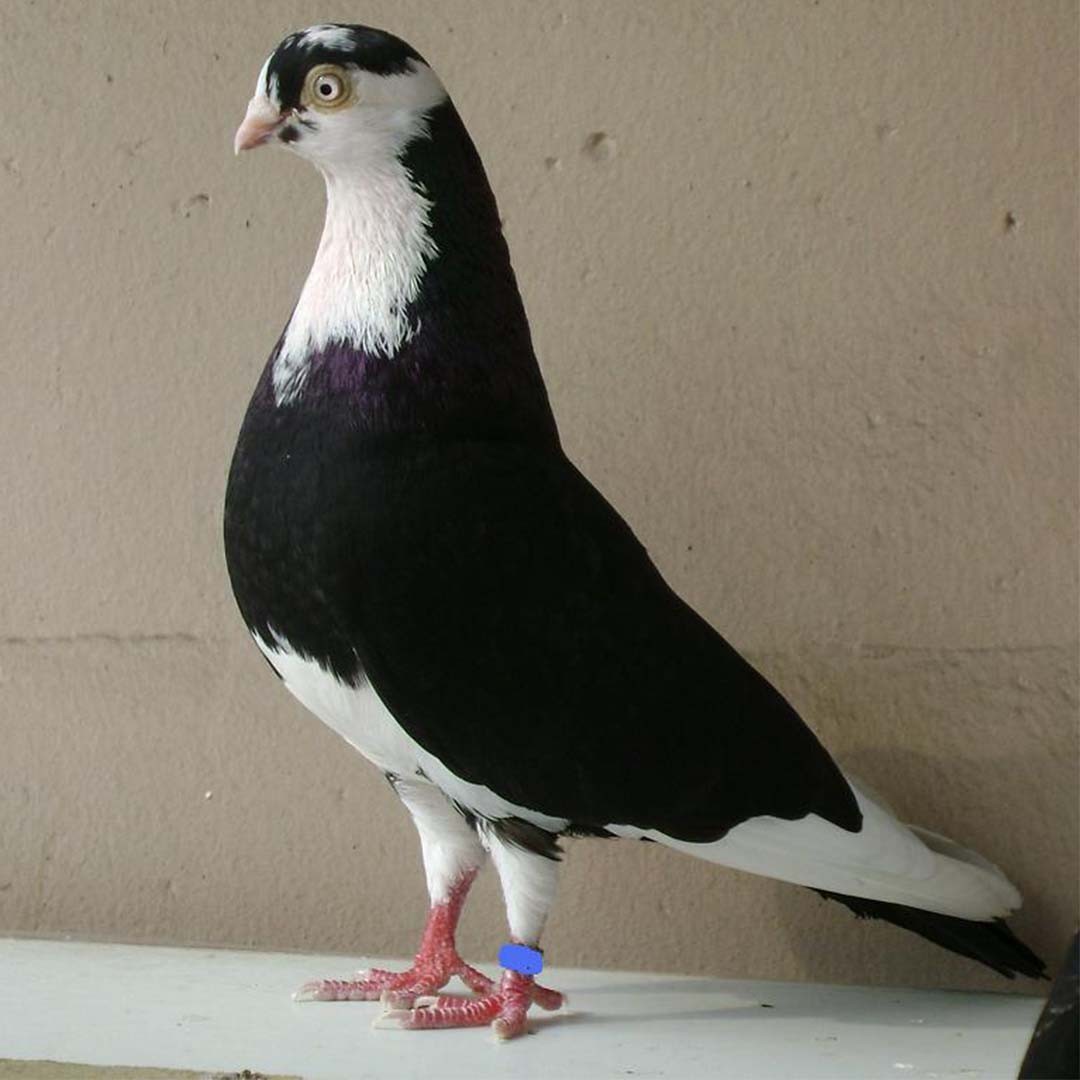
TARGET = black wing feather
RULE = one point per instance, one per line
(518, 631)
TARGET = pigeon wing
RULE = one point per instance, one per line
(519, 632)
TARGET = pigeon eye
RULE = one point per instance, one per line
(327, 88)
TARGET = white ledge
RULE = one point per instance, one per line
(219, 1011)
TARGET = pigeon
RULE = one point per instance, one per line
(427, 572)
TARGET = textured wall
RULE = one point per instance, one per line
(802, 276)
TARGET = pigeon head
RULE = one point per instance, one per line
(410, 320)
(340, 95)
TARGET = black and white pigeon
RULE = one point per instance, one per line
(430, 575)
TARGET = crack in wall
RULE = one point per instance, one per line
(111, 638)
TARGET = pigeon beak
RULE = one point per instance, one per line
(260, 122)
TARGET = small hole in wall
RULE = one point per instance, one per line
(1010, 221)
(599, 147)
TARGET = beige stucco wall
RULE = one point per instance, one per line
(802, 277)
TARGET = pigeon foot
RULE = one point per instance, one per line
(434, 965)
(504, 1009)
(427, 975)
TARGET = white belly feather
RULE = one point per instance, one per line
(359, 716)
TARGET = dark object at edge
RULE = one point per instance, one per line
(1054, 1050)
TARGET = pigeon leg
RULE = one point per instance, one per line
(504, 1009)
(528, 883)
(453, 856)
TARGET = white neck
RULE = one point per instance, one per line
(375, 245)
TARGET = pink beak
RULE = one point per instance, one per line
(260, 122)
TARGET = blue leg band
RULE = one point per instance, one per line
(522, 959)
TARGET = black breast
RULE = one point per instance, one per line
(294, 509)
(287, 547)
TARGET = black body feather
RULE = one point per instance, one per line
(517, 630)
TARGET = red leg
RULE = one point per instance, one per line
(504, 1008)
(435, 963)
(528, 881)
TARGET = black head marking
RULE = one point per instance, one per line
(369, 49)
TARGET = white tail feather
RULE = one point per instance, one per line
(886, 860)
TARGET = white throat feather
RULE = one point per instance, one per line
(376, 241)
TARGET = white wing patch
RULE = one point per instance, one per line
(885, 860)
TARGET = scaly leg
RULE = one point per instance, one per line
(528, 883)
(453, 856)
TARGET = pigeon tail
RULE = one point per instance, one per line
(991, 943)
